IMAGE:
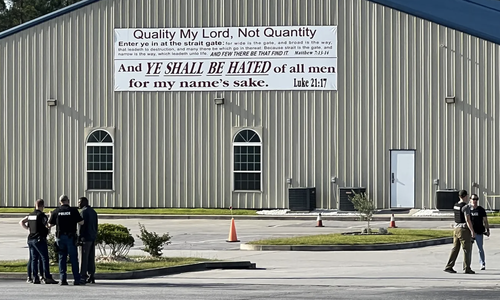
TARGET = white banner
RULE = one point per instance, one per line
(233, 58)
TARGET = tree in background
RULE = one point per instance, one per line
(365, 206)
(16, 12)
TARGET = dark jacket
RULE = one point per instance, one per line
(88, 231)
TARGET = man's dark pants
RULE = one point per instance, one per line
(67, 246)
(30, 261)
(87, 259)
(39, 252)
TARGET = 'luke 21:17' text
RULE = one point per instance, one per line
(312, 82)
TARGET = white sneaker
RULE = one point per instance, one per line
(483, 267)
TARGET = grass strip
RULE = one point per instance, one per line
(148, 211)
(397, 236)
(494, 220)
(111, 267)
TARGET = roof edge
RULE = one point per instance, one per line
(45, 18)
(439, 21)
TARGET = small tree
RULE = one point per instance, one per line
(365, 206)
(114, 240)
(153, 242)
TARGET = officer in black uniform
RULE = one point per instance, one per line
(37, 242)
(23, 224)
(66, 219)
(462, 235)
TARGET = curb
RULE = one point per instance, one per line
(141, 274)
(249, 217)
(379, 247)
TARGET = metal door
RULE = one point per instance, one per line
(402, 178)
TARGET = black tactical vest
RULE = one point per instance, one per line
(37, 223)
(459, 215)
(66, 223)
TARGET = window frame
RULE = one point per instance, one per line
(99, 144)
(246, 144)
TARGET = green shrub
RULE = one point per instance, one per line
(114, 240)
(153, 242)
(53, 250)
(53, 255)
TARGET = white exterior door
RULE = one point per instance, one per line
(402, 178)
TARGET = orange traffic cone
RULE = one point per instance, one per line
(232, 233)
(393, 223)
(319, 221)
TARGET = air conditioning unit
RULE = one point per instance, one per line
(345, 203)
(302, 199)
(446, 199)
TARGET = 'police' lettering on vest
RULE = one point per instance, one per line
(64, 213)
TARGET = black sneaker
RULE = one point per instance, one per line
(51, 281)
(29, 280)
(36, 281)
(76, 282)
(469, 272)
(450, 270)
(63, 282)
(483, 267)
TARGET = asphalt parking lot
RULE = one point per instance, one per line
(203, 234)
(399, 274)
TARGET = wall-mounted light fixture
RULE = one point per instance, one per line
(334, 179)
(51, 102)
(449, 99)
(219, 101)
(436, 181)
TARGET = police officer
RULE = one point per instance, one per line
(462, 235)
(37, 242)
(66, 218)
(88, 235)
(23, 224)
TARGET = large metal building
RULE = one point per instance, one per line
(218, 103)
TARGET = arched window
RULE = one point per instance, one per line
(247, 161)
(100, 161)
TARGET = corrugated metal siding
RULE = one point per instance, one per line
(174, 149)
